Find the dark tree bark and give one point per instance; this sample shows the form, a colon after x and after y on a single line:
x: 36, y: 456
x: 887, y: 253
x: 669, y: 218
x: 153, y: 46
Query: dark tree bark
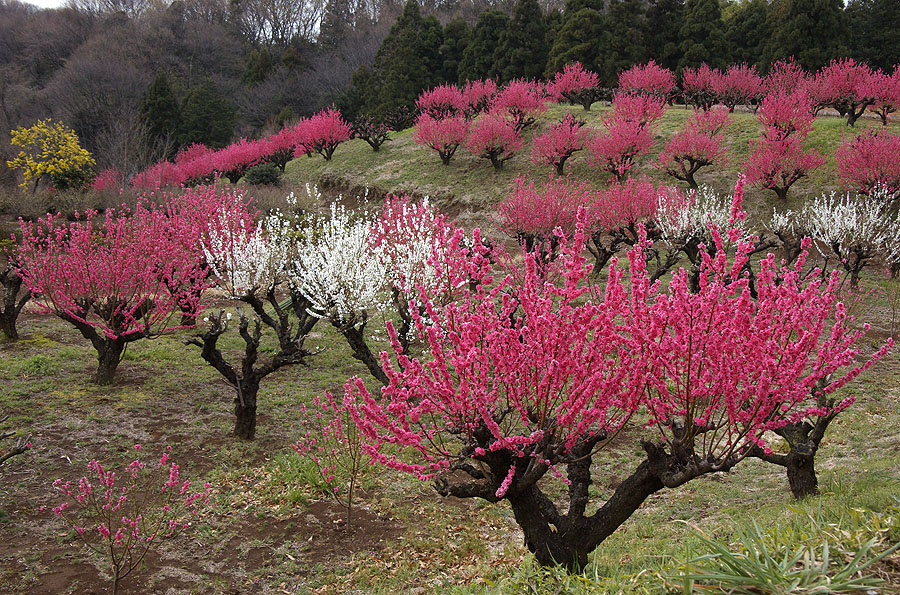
x: 246, y: 382
x: 567, y: 539
x: 354, y: 333
x: 14, y: 299
x: 109, y: 350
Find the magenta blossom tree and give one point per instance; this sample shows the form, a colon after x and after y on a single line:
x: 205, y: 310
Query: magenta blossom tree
x: 886, y: 90
x: 776, y: 164
x: 325, y: 131
x: 555, y: 145
x: 740, y: 85
x: 701, y: 86
x: 869, y: 163
x: 112, y: 276
x: 648, y: 79
x: 495, y: 138
x: 576, y: 85
x: 701, y: 144
x: 847, y: 86
x: 615, y: 149
x: 442, y: 135
x: 524, y: 379
x: 441, y: 102
x: 521, y: 101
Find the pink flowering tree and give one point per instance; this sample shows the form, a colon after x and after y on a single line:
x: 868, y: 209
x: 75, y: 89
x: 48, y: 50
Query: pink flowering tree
x: 442, y: 135
x: 375, y: 131
x: 441, y: 102
x: 495, y: 138
x: 701, y: 144
x: 887, y: 94
x: 576, y: 85
x: 847, y: 86
x: 647, y: 79
x: 523, y: 379
x: 615, y: 149
x: 521, y: 101
x: 868, y: 163
x: 740, y: 85
x: 111, y: 276
x: 325, y: 131
x: 616, y: 213
x: 478, y: 96
x: 234, y: 160
x: 532, y: 213
x: 786, y: 114
x: 786, y: 76
x: 776, y: 164
x: 555, y: 145
x: 701, y: 86
x: 121, y: 515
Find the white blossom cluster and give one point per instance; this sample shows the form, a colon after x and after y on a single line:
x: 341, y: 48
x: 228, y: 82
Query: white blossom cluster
x: 851, y: 221
x: 246, y: 260
x: 339, y: 270
x: 415, y: 245
x: 682, y: 219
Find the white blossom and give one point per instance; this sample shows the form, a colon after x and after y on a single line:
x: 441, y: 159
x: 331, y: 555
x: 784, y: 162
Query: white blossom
x: 682, y: 218
x: 854, y: 222
x: 339, y: 270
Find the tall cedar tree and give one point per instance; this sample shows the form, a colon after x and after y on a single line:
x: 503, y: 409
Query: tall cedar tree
x: 456, y: 38
x: 703, y: 35
x: 662, y: 39
x: 159, y: 110
x: 577, y: 39
x: 337, y: 23
x: 747, y: 31
x: 407, y: 62
x: 874, y: 32
x: 207, y: 117
x: 809, y: 30
x: 522, y: 52
x: 622, y: 43
x: 259, y: 66
x: 478, y: 57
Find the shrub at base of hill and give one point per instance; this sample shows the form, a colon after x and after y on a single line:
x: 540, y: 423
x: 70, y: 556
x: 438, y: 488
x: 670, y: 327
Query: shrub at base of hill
x: 266, y: 174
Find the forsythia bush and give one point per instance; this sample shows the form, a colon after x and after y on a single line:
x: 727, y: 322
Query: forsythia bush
x: 48, y: 149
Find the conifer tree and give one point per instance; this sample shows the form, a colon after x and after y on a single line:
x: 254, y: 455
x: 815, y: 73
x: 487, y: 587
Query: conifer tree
x: 703, y: 35
x: 809, y: 30
x: 747, y: 31
x: 159, y: 109
x: 456, y: 39
x: 522, y: 52
x: 578, y: 37
x: 207, y: 117
x: 622, y: 43
x: 478, y: 57
x: 662, y: 34
x: 259, y: 65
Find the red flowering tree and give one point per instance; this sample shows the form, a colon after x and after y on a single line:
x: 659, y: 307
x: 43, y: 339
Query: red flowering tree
x: 478, y: 96
x: 847, y: 86
x: 886, y: 89
x: 521, y: 101
x: 701, y: 86
x: 112, y: 276
x: 522, y: 379
x: 869, y: 162
x: 786, y: 114
x: 647, y: 79
x: 558, y: 142
x: 495, y: 138
x: 441, y: 102
x: 700, y: 144
x: 777, y: 163
x: 642, y: 109
x: 740, y: 85
x: 442, y: 135
x: 325, y: 131
x: 786, y: 76
x: 532, y: 213
x: 615, y: 149
x: 576, y: 85
x: 234, y: 160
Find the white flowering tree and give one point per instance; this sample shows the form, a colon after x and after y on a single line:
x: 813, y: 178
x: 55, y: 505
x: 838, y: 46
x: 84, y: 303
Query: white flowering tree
x: 250, y: 262
x: 344, y: 275
x: 858, y: 230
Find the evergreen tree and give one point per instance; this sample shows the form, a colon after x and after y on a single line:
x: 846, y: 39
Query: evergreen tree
x: 259, y: 65
x: 874, y: 32
x: 522, y: 52
x: 747, y: 31
x: 206, y: 116
x: 456, y: 39
x: 578, y: 36
x: 407, y: 62
x: 159, y: 110
x: 809, y: 30
x: 478, y: 57
x: 337, y: 23
x: 622, y: 42
x: 662, y: 33
x: 703, y: 35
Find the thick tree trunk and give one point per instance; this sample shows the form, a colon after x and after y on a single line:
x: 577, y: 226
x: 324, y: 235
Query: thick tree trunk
x: 357, y: 341
x: 245, y: 412
x: 8, y: 326
x: 108, y: 357
x: 801, y: 472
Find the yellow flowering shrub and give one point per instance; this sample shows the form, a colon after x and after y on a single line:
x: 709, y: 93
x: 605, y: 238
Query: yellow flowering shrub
x: 48, y: 149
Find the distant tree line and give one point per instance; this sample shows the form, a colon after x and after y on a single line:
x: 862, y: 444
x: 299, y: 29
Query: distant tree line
x: 137, y: 80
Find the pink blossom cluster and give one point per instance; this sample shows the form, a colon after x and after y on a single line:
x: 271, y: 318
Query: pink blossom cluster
x: 121, y: 515
x: 702, y: 143
x: 869, y: 163
x: 558, y: 142
x: 647, y: 79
